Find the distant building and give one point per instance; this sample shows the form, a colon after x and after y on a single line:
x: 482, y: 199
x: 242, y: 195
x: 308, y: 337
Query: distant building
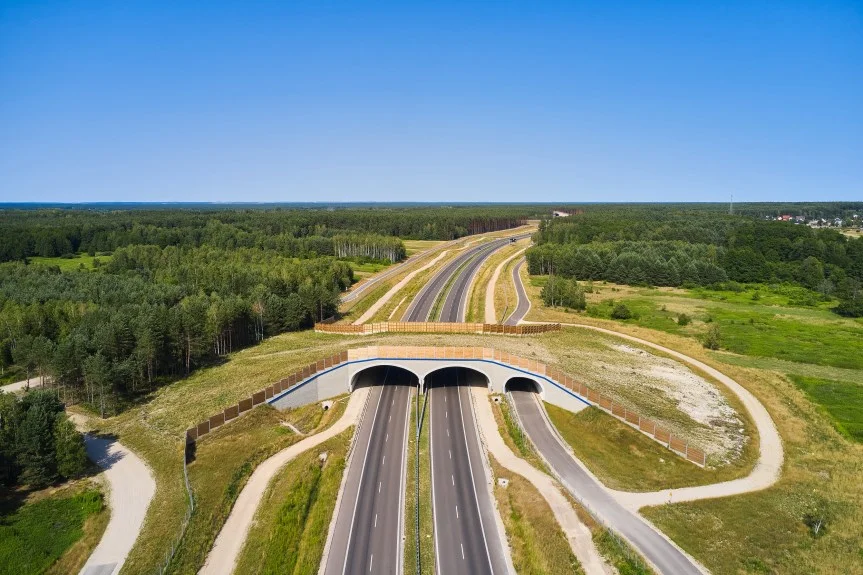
x: 785, y: 218
x: 559, y: 214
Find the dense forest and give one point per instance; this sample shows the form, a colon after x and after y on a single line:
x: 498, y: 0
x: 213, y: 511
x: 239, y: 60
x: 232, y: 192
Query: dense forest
x: 677, y: 247
x: 302, y: 233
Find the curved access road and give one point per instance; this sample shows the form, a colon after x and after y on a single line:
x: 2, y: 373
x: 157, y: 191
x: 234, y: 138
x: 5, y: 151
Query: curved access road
x: 523, y: 301
x: 367, y: 536
x: 656, y: 548
x: 770, y: 451
x: 131, y: 489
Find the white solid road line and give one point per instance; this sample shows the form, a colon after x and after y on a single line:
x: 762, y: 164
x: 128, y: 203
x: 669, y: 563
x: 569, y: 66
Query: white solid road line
x: 362, y: 472
x: 473, y: 479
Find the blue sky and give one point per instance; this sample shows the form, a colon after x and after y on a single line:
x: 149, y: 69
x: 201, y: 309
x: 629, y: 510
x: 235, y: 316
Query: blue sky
x: 438, y: 101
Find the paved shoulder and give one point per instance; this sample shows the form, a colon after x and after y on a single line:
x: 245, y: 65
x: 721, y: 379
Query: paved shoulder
x: 132, y: 488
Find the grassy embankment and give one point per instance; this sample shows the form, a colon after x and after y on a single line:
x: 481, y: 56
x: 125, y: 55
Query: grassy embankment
x: 626, y: 459
x: 290, y: 529
x: 775, y: 530
x: 537, y: 543
x: 476, y: 297
x: 53, y: 532
x: 426, y: 520
x: 224, y: 461
x: 416, y: 246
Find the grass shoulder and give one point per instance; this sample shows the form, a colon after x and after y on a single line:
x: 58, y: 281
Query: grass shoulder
x: 626, y: 459
x: 537, y: 543
x: 289, y: 533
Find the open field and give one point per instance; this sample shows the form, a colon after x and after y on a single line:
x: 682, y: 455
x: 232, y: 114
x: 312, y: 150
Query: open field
x: 842, y: 401
x: 290, y: 527
x: 537, y: 543
x: 770, y: 531
x: 770, y: 326
x: 71, y: 264
x: 54, y: 531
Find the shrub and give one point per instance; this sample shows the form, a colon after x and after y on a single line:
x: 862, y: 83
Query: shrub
x: 713, y: 339
x: 620, y: 311
x: 683, y: 319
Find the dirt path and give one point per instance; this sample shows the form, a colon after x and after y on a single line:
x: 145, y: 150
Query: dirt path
x: 131, y: 489
x: 19, y: 385
x: 770, y: 457
x: 395, y: 289
x: 223, y: 556
x: 490, y: 312
x: 578, y: 535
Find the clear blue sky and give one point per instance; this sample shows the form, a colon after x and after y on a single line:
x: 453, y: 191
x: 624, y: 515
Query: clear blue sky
x: 486, y: 101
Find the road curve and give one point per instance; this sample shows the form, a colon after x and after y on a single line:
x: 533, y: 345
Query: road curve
x: 423, y: 303
x: 523, y: 301
x: 655, y: 547
x: 455, y: 304
x: 131, y: 489
x: 369, y: 526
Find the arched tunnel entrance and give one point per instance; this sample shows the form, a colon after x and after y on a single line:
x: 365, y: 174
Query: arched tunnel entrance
x: 455, y: 376
x: 521, y: 384
x: 383, y: 375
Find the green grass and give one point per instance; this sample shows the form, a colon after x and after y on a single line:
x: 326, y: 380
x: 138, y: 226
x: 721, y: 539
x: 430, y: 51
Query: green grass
x: 37, y: 534
x: 426, y: 520
x: 289, y: 532
x: 620, y: 554
x: 512, y: 434
x: 366, y: 268
x: 626, y: 459
x: 536, y: 541
x: 71, y: 264
x: 842, y: 402
x: 415, y: 246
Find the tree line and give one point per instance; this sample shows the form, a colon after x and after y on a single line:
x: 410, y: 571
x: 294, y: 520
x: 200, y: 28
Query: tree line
x: 295, y: 233
x: 678, y: 248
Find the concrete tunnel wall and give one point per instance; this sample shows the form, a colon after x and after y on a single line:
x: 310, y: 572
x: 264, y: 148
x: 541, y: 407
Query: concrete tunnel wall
x: 341, y: 378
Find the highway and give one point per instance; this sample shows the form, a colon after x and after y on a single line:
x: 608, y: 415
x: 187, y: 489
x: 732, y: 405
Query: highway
x: 467, y: 540
x: 659, y: 551
x: 523, y: 302
x: 368, y: 534
x: 456, y: 301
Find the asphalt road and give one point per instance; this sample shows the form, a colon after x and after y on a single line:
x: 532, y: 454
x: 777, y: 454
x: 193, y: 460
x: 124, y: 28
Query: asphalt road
x: 665, y: 556
x: 467, y: 540
x: 423, y: 303
x: 455, y: 304
x: 523, y: 302
x: 370, y: 524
